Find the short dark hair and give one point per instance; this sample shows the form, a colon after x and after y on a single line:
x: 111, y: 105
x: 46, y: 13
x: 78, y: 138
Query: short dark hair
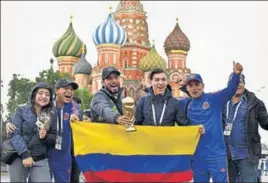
x: 156, y: 71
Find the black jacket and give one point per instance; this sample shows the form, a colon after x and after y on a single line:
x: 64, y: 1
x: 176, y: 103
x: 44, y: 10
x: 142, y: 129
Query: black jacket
x: 173, y: 112
x: 256, y: 115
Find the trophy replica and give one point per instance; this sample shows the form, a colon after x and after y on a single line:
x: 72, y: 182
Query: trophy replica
x: 129, y: 111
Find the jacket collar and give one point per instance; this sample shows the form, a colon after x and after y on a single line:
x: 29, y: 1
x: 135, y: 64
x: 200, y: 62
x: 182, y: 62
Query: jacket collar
x: 166, y: 96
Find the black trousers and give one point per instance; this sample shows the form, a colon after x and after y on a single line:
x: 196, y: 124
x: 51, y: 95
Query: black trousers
x: 75, y: 173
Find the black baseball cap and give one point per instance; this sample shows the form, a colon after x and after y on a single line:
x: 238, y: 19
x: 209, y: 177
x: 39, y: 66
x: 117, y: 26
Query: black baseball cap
x: 61, y: 83
x: 109, y: 70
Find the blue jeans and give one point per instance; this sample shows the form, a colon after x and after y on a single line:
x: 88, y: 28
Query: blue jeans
x: 246, y: 170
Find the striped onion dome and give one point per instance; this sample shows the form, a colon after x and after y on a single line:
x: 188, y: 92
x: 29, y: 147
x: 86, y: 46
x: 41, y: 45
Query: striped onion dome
x: 68, y: 45
x: 152, y: 60
x: 82, y: 66
x: 110, y: 32
x: 177, y: 40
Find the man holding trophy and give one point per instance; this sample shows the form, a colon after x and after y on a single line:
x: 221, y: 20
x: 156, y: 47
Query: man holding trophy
x: 106, y: 105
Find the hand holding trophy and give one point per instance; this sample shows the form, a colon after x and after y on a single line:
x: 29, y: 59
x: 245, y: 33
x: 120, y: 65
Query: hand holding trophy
x: 129, y: 111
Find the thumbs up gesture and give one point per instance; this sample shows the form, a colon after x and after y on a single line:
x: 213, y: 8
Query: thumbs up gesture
x: 238, y: 68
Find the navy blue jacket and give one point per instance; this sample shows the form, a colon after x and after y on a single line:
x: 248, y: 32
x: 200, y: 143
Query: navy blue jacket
x: 173, y: 112
x: 63, y: 155
x: 256, y: 115
x: 25, y: 138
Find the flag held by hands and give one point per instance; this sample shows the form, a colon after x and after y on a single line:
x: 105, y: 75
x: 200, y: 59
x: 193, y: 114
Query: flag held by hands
x: 107, y: 153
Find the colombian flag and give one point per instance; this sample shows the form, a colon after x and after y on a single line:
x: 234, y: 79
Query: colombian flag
x: 107, y: 153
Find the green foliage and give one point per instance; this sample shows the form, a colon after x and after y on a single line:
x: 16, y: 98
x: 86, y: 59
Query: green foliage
x: 18, y: 92
x: 85, y: 97
x: 20, y: 87
x: 50, y: 77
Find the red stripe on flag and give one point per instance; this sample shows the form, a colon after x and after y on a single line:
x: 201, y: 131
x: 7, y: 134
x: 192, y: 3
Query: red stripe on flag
x: 121, y: 176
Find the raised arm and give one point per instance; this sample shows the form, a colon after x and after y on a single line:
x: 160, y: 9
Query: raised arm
x: 226, y: 94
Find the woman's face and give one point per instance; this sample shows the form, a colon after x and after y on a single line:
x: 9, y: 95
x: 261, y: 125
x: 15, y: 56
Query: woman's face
x: 42, y: 97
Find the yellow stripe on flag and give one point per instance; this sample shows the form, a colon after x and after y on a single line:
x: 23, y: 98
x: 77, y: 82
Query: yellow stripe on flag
x: 147, y: 140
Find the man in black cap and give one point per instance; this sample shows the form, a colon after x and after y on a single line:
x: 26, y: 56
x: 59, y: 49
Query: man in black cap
x: 106, y: 105
x: 242, y: 116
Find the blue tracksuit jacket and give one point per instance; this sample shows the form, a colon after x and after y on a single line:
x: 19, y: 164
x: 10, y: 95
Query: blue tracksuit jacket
x: 207, y: 111
x: 60, y: 160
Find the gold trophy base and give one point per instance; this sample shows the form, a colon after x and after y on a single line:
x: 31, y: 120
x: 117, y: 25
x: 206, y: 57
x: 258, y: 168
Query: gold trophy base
x: 131, y: 128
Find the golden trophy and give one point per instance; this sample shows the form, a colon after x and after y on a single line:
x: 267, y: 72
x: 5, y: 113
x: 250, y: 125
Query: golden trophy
x: 129, y: 111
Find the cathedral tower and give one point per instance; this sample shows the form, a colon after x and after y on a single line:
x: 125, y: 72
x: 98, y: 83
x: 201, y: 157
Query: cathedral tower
x: 131, y: 16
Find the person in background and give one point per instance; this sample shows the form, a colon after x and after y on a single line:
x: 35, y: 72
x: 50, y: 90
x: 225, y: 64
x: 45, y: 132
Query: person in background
x: 266, y: 167
x: 78, y: 104
x: 242, y: 116
x: 34, y: 133
x: 262, y: 168
x: 75, y: 170
x: 87, y: 115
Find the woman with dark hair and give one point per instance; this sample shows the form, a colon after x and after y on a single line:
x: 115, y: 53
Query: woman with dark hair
x: 35, y: 133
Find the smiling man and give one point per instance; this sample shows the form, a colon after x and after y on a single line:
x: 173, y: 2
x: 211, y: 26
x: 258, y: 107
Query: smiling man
x: 106, y: 105
x: 159, y: 108
x: 206, y: 108
x: 60, y: 159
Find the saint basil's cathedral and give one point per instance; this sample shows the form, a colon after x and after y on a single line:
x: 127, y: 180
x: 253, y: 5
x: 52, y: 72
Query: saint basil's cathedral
x: 122, y: 41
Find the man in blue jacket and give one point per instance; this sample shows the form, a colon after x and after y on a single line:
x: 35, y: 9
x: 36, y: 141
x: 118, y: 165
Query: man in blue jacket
x: 206, y: 108
x: 60, y: 159
x: 158, y: 107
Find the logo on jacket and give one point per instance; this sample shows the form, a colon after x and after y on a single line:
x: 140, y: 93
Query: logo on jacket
x: 222, y: 170
x: 66, y: 116
x: 205, y: 105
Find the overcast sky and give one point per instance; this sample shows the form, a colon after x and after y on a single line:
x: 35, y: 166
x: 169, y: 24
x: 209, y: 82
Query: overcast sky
x: 219, y: 32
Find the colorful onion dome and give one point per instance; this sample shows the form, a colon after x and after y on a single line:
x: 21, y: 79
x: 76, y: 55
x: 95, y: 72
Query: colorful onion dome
x: 69, y: 44
x: 152, y: 60
x: 110, y: 32
x: 177, y: 40
x: 82, y: 66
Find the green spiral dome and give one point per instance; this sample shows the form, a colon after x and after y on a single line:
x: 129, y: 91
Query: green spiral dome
x: 68, y: 45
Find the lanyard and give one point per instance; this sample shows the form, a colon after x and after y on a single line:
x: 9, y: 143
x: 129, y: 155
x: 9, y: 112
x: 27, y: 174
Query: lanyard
x: 59, y: 124
x: 236, y: 110
x: 162, y: 114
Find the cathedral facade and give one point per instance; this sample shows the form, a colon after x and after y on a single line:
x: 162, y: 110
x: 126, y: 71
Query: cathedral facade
x: 122, y: 41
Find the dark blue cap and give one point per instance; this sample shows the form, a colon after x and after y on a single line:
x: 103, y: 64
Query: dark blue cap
x: 191, y: 77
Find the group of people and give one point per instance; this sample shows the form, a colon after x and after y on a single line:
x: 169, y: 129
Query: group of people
x: 41, y: 134
x: 229, y: 145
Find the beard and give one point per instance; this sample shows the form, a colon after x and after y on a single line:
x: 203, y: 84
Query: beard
x: 112, y: 90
